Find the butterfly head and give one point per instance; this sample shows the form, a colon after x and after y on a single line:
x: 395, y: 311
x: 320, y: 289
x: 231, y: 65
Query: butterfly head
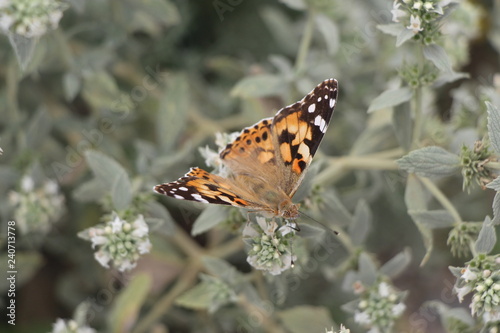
x: 288, y: 210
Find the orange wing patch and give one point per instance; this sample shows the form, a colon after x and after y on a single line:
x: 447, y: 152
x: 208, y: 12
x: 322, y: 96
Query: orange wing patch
x: 253, y: 142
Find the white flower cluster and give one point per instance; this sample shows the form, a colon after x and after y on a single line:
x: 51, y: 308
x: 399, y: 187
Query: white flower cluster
x: 418, y: 11
x: 212, y: 158
x: 485, y: 286
x: 342, y: 330
x: 379, y: 307
x: 70, y: 326
x: 36, y: 208
x: 119, y: 241
x: 271, y: 246
x: 30, y: 18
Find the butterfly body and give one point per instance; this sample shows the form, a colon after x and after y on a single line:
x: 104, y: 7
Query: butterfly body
x: 267, y: 161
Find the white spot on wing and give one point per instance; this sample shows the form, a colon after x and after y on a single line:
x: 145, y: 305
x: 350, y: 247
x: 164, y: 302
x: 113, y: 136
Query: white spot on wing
x: 319, y: 99
x: 311, y: 108
x: 179, y: 197
x: 182, y: 188
x: 198, y: 197
x: 321, y: 123
x: 332, y: 102
x: 326, y: 96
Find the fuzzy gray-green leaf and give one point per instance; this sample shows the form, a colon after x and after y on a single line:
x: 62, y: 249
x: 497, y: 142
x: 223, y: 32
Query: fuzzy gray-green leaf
x: 438, y: 56
x: 495, y: 184
x: 121, y: 192
x: 209, y: 218
x: 494, y: 126
x: 396, y: 264
x: 390, y: 98
x: 430, y: 161
x: 393, y: 29
x: 330, y: 33
x: 367, y: 269
x: 432, y: 219
x: 403, y: 36
x: 496, y: 209
x: 306, y: 318
x: 172, y: 112
x: 362, y: 221
x: 487, y: 237
x: 104, y: 168
x: 258, y: 86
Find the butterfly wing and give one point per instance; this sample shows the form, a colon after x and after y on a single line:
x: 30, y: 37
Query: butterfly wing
x: 278, y: 150
x: 298, y: 130
x: 202, y: 186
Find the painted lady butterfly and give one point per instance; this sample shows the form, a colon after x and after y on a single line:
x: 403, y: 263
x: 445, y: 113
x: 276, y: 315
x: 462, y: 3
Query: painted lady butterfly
x: 267, y: 161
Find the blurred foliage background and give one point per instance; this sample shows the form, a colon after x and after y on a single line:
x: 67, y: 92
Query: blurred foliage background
x: 102, y: 99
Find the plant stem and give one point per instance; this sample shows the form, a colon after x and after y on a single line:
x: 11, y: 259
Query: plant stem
x: 443, y: 200
x: 184, y: 282
x: 305, y: 43
x: 339, y: 165
x: 417, y: 104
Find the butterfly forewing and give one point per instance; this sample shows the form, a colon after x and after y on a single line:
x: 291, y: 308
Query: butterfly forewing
x: 298, y: 130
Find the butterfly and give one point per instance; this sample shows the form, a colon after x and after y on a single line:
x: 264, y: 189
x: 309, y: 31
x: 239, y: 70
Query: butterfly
x: 267, y: 161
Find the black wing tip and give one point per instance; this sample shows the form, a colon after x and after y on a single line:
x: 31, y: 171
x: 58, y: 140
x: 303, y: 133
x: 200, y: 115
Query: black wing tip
x: 159, y: 189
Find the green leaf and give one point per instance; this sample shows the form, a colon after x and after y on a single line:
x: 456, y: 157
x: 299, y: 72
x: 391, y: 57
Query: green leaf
x: 305, y: 318
x: 432, y: 219
x: 495, y: 184
x: 121, y: 192
x: 367, y: 269
x: 172, y: 112
x: 362, y: 221
x: 38, y: 128
x: 390, y: 98
x: 129, y: 302
x: 209, y: 218
x: 330, y: 33
x: 403, y: 125
x: 438, y: 56
x: 494, y: 126
x: 24, y: 48
x: 487, y: 237
x: 197, y: 298
x: 430, y: 161
x: 258, y: 86
x: 397, y: 264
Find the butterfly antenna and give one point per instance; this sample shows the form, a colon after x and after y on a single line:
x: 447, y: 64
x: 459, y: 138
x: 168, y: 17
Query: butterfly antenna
x: 318, y: 222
